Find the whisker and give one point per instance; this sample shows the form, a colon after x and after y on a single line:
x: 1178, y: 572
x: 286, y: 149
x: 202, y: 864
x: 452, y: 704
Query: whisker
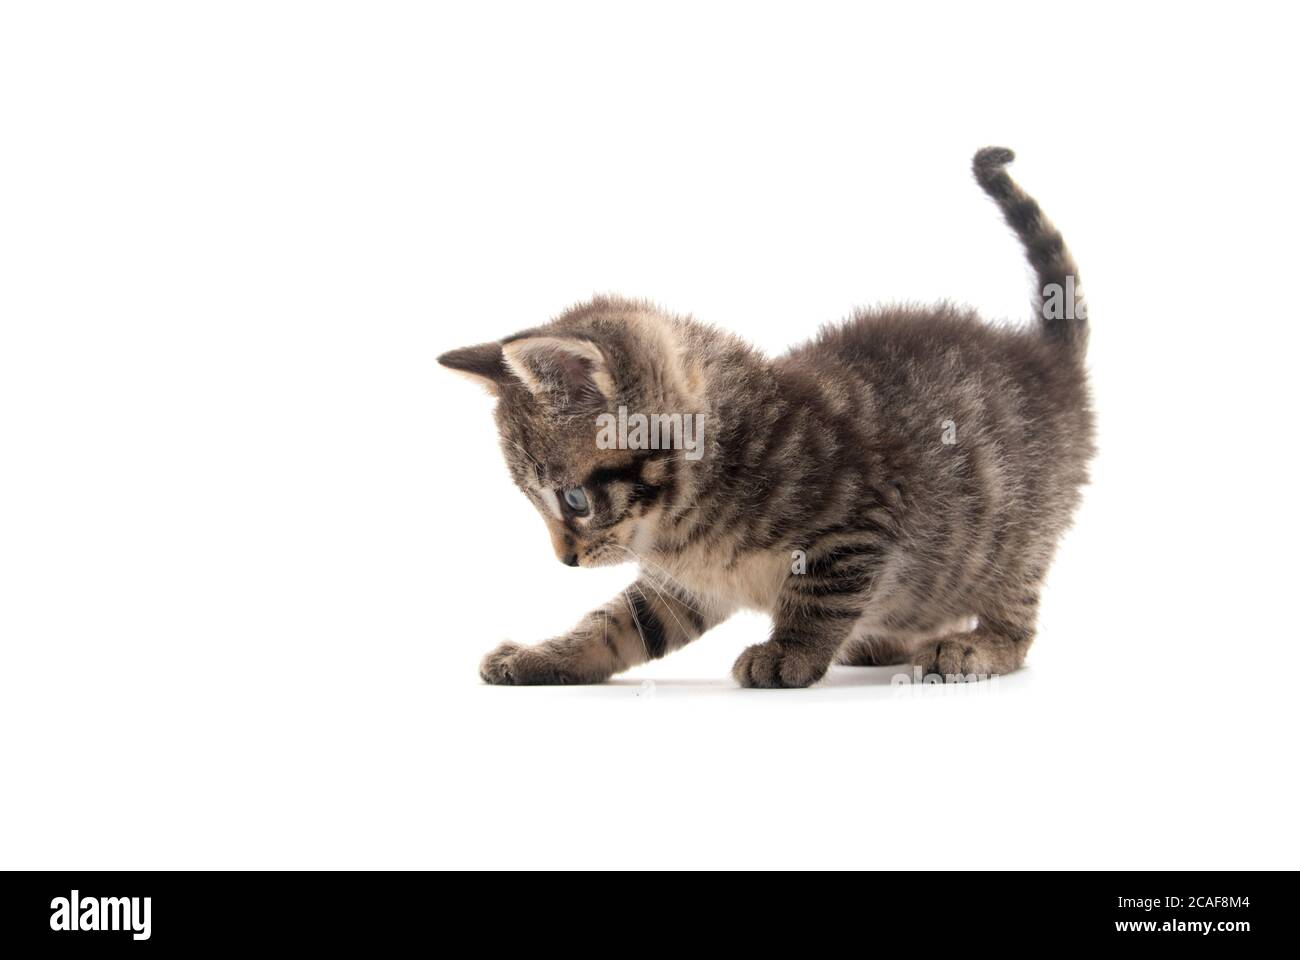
x: 637, y: 623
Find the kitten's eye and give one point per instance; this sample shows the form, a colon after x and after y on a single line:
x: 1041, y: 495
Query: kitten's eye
x: 576, y: 500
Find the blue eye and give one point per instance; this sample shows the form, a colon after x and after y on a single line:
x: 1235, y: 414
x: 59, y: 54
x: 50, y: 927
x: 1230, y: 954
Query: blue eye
x: 576, y: 500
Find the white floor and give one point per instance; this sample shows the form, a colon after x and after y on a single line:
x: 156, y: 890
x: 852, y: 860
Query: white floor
x: 356, y: 734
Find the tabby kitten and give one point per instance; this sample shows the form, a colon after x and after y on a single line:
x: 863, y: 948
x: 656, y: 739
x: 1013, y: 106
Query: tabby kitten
x: 891, y: 492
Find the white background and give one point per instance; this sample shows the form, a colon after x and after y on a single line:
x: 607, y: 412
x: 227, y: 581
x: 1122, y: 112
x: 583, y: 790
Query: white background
x: 253, y: 541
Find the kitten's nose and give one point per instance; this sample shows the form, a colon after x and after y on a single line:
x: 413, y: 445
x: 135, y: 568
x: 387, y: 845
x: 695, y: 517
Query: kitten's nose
x: 571, y: 560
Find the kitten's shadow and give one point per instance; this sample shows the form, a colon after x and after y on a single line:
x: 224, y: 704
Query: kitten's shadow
x: 840, y: 683
x: 837, y: 677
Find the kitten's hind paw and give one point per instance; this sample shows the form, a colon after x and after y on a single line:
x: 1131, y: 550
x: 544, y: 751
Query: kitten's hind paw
x: 773, y: 665
x: 970, y: 656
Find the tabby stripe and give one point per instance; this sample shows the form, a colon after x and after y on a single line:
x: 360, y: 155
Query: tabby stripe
x: 629, y: 473
x: 829, y: 563
x: 652, y: 628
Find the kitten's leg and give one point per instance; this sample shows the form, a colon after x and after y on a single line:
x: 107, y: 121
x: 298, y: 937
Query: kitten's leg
x: 815, y: 613
x: 644, y: 622
x: 803, y: 644
x: 806, y: 633
x: 996, y: 646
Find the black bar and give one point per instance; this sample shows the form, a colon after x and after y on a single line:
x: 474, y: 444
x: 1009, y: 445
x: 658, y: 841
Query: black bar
x: 368, y: 910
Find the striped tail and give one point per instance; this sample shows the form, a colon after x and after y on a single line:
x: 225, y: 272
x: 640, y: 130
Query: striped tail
x: 1059, y: 300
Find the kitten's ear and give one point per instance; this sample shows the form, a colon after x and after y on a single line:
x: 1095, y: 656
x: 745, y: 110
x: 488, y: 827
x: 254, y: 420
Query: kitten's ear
x: 483, y: 363
x: 572, y: 373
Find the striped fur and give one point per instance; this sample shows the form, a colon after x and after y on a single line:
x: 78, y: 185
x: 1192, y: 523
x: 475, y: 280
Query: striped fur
x: 890, y: 492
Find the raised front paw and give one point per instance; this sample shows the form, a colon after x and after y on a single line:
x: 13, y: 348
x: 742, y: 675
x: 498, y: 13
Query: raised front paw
x: 773, y: 665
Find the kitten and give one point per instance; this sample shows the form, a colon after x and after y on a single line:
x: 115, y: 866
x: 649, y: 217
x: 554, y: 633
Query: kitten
x: 891, y: 492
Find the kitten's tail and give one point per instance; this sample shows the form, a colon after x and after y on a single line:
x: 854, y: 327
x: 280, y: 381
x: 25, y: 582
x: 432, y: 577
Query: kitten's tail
x: 1059, y: 301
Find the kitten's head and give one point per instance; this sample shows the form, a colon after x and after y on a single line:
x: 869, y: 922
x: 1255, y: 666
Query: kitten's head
x: 559, y: 389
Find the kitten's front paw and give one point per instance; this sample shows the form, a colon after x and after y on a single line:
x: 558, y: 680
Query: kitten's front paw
x: 772, y: 665
x: 514, y: 665
x: 495, y: 667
